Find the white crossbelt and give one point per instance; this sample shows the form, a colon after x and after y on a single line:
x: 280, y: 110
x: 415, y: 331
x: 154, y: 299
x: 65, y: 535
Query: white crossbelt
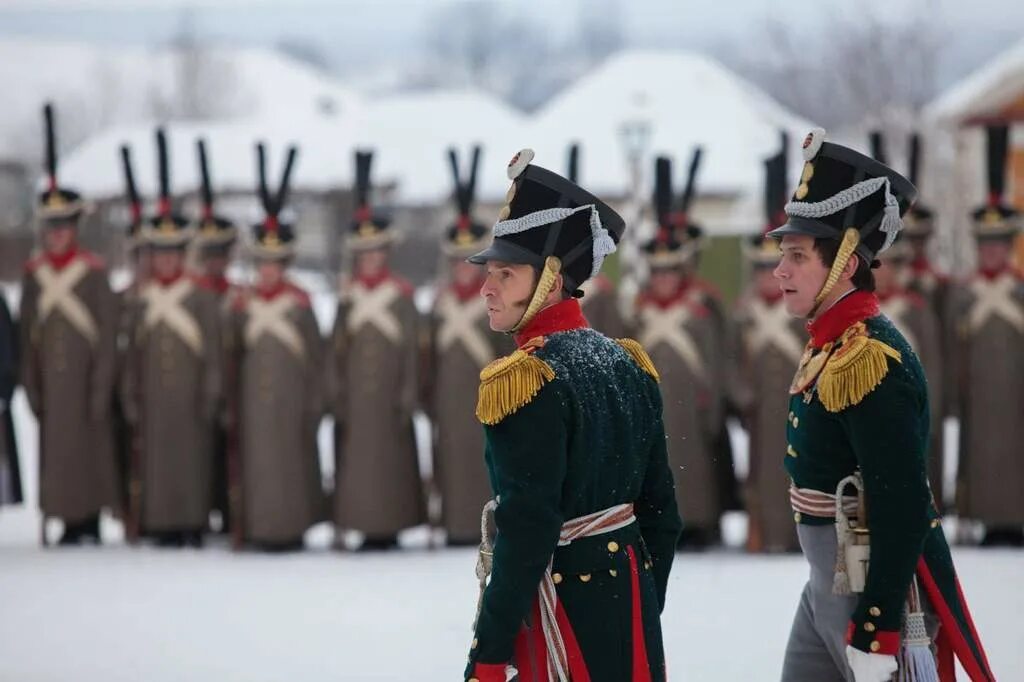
x: 995, y: 299
x: 372, y: 306
x: 772, y: 326
x: 164, y: 304
x: 459, y: 325
x: 668, y: 327
x: 57, y: 294
x: 271, y: 318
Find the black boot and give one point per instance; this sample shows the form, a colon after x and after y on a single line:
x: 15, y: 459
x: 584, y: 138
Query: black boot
x: 1003, y: 536
x: 193, y: 538
x: 90, y: 529
x: 170, y: 538
x: 282, y: 547
x: 463, y: 542
x: 693, y: 539
x: 379, y: 543
x: 72, y: 534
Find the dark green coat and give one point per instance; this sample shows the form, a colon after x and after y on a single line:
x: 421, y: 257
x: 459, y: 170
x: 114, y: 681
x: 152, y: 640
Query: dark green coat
x: 886, y: 435
x: 590, y: 439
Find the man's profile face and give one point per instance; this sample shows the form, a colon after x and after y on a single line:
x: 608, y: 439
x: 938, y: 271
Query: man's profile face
x: 800, y: 273
x: 507, y: 290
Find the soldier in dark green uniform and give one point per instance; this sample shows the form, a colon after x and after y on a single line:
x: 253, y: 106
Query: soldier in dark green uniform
x: 859, y: 414
x: 585, y: 509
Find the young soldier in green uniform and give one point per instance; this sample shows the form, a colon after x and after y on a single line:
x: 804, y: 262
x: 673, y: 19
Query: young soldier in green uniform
x: 575, y: 446
x: 859, y: 413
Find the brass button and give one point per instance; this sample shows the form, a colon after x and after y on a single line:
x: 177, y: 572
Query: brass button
x: 556, y: 578
x: 875, y: 611
x: 936, y: 523
x: 475, y: 642
x: 797, y: 516
x: 791, y: 415
x: 585, y: 578
x: 790, y: 451
x: 875, y: 646
x: 796, y: 422
x: 869, y: 626
x: 612, y: 572
x: 613, y: 546
x: 647, y: 565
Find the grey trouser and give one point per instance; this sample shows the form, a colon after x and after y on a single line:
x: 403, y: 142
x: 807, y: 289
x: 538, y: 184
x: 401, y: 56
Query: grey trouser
x: 816, y: 651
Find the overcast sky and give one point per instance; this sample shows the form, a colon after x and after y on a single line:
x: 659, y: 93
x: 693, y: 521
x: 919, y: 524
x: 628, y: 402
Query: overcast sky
x: 361, y: 32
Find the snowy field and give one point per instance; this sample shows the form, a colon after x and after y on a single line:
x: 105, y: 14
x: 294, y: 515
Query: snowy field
x: 119, y: 614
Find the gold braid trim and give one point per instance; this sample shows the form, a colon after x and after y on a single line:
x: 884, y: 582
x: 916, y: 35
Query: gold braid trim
x: 846, y: 248
x: 552, y: 266
x: 640, y: 356
x: 509, y: 383
x: 855, y: 369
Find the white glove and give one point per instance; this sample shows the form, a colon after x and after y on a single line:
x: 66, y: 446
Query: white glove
x: 870, y: 667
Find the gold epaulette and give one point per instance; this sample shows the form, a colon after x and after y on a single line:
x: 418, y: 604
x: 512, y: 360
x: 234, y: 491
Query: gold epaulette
x: 640, y: 356
x: 856, y: 368
x: 511, y: 382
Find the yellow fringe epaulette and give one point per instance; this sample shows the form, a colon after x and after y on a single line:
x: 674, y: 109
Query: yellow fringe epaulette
x: 640, y: 356
x: 509, y: 383
x: 857, y: 367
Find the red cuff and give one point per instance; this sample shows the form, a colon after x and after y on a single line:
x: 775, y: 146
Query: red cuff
x: 879, y: 642
x: 488, y: 672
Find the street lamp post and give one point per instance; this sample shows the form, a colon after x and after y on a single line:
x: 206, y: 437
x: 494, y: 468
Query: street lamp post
x: 635, y: 134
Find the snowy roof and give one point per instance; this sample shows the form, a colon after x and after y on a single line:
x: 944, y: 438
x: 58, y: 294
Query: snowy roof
x: 98, y: 87
x: 324, y: 161
x: 687, y: 100
x: 983, y: 93
x: 411, y: 134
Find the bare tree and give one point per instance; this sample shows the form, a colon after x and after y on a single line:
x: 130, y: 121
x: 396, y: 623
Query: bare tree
x: 849, y: 71
x: 600, y: 29
x: 204, y: 86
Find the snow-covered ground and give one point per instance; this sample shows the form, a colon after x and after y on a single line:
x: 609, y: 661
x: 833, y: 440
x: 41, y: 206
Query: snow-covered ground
x: 115, y: 613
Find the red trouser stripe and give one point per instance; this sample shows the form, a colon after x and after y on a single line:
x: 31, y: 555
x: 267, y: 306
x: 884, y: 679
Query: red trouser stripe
x: 641, y: 668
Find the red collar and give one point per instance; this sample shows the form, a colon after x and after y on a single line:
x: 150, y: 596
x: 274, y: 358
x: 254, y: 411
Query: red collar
x: 676, y: 297
x: 992, y: 275
x: 268, y: 294
x: 219, y: 284
x: 59, y: 262
x: 375, y: 281
x: 168, y: 281
x: 561, y: 317
x: 849, y: 310
x: 466, y: 292
x: 922, y: 264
